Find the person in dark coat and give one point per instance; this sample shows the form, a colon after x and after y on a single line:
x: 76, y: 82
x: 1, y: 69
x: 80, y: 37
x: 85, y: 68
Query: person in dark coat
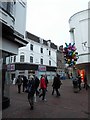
x: 25, y: 80
x: 85, y: 82
x: 37, y: 85
x: 56, y: 85
x: 19, y: 83
x: 79, y: 81
x: 31, y: 91
x: 46, y: 80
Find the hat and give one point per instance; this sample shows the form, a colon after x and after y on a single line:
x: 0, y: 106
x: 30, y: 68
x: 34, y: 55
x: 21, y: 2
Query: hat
x: 31, y: 77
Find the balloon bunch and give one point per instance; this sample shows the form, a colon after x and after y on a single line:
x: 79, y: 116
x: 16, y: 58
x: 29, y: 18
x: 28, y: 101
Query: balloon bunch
x: 70, y: 54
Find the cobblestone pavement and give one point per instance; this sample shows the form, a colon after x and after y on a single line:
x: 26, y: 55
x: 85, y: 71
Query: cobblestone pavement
x: 68, y: 105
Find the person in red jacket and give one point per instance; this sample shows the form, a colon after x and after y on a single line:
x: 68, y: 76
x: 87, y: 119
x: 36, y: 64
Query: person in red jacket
x: 43, y: 87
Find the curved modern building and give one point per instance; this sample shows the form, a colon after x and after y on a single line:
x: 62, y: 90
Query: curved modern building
x: 79, y: 32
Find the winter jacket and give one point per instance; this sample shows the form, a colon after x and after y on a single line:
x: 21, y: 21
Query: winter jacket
x: 42, y: 83
x: 31, y: 85
x: 56, y: 82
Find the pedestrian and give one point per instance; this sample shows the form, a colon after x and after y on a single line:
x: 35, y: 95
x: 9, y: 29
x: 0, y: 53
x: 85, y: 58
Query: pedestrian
x: 43, y: 87
x: 46, y: 80
x: 31, y: 91
x: 19, y: 83
x: 37, y: 85
x: 36, y: 88
x: 25, y: 80
x: 56, y: 84
x: 85, y: 82
x: 79, y: 81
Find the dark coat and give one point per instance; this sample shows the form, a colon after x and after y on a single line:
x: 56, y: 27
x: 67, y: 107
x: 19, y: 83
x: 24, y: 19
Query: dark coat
x: 19, y: 81
x: 25, y: 80
x: 36, y: 82
x: 79, y: 79
x: 56, y: 82
x: 31, y: 85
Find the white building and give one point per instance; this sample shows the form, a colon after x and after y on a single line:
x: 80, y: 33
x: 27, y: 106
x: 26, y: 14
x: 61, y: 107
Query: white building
x: 12, y: 32
x: 79, y: 31
x: 39, y: 56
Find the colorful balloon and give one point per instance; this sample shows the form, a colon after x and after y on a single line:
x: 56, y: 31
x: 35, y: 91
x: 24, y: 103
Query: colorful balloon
x: 70, y: 54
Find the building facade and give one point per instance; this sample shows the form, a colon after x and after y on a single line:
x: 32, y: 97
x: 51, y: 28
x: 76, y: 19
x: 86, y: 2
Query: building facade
x: 11, y: 38
x: 38, y: 57
x: 79, y: 32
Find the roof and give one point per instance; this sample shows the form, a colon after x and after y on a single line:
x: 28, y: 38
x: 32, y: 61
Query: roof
x: 37, y: 39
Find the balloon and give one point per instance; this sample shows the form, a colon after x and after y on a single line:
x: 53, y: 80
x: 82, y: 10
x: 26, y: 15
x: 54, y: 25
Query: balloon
x: 70, y: 54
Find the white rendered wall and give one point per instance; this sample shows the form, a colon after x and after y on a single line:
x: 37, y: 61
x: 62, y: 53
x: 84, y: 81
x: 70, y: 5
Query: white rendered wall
x: 79, y: 22
x: 37, y: 55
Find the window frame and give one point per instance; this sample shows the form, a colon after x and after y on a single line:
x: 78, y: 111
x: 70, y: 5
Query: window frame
x: 31, y: 60
x: 41, y: 61
x: 50, y: 62
x: 31, y: 47
x: 41, y: 50
x: 22, y: 60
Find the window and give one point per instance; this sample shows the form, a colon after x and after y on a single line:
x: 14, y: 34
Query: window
x: 49, y: 62
x: 21, y: 58
x: 49, y: 52
x: 14, y: 58
x: 41, y: 50
x: 11, y: 59
x: 31, y: 47
x: 72, y: 34
x: 7, y: 6
x: 31, y: 59
x: 41, y: 61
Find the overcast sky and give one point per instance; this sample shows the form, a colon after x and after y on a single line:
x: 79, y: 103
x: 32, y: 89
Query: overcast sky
x: 48, y: 19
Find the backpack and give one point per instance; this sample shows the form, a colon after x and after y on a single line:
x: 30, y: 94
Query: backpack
x: 28, y: 89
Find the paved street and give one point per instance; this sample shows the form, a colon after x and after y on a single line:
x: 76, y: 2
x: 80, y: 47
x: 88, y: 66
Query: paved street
x: 68, y: 105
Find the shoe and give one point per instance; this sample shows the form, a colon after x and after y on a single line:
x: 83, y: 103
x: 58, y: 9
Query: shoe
x: 44, y: 100
x: 31, y: 108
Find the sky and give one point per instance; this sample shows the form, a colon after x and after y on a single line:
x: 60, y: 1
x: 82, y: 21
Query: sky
x: 48, y: 19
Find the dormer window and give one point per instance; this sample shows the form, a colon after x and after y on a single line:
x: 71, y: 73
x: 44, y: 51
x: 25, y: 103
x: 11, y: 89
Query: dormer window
x: 49, y: 43
x: 31, y: 47
x: 41, y: 40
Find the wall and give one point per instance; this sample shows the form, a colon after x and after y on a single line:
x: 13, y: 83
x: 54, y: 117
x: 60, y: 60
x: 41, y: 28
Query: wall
x: 37, y: 55
x: 79, y: 22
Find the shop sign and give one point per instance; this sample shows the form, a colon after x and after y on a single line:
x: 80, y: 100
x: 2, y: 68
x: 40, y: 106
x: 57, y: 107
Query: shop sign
x: 42, y: 68
x: 11, y: 67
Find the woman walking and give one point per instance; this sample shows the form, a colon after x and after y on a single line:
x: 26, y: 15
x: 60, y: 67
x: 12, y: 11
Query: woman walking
x: 43, y: 87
